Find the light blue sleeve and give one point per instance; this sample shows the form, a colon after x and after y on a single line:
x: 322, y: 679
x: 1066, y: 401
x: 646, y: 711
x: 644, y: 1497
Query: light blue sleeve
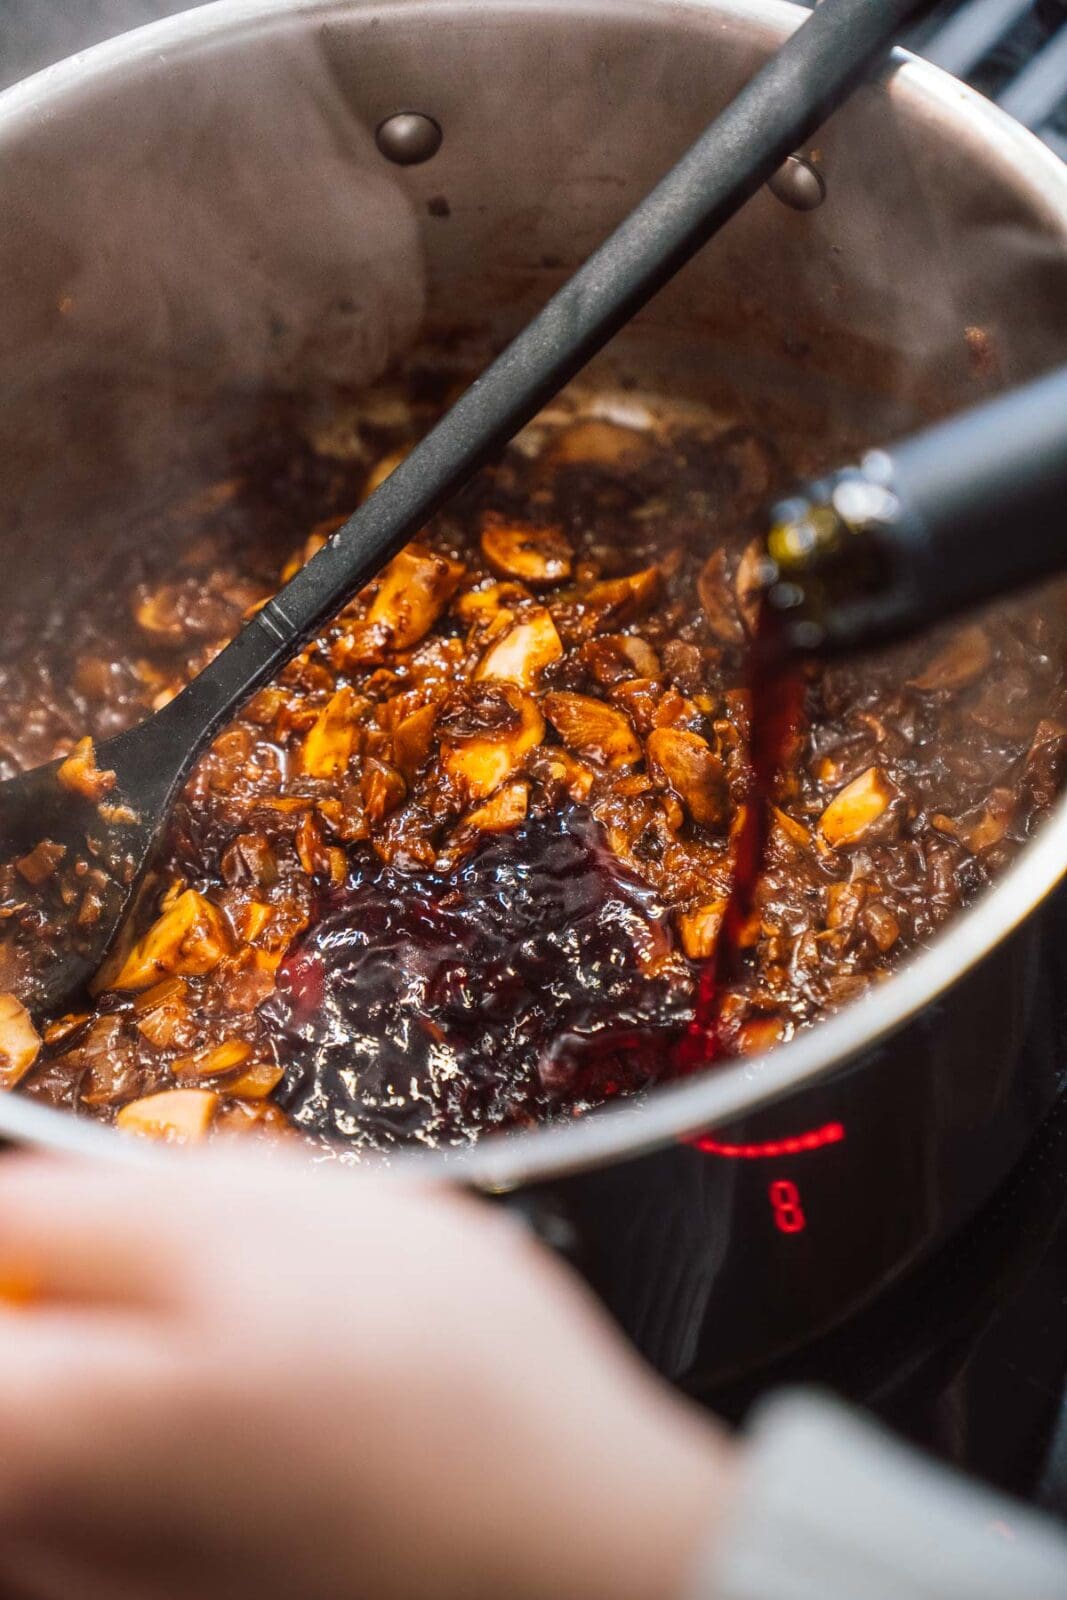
x: 830, y: 1507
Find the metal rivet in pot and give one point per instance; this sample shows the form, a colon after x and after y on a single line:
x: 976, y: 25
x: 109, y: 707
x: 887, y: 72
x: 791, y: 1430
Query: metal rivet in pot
x: 409, y: 138
x: 798, y: 184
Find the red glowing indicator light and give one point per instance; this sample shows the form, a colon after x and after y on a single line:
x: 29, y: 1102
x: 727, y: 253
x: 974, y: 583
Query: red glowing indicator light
x: 799, y: 1144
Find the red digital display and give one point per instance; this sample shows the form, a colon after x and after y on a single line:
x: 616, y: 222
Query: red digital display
x: 785, y: 1204
x: 814, y: 1139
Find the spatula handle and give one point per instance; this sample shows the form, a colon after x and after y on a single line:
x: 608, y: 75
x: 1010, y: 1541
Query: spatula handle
x: 776, y: 111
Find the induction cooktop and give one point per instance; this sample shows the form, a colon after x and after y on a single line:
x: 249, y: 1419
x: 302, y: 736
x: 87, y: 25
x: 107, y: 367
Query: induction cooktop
x: 967, y: 1356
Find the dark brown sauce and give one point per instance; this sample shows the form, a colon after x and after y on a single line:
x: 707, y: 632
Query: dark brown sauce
x: 360, y: 928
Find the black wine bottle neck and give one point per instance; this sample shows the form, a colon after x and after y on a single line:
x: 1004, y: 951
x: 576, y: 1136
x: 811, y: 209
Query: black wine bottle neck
x: 973, y: 508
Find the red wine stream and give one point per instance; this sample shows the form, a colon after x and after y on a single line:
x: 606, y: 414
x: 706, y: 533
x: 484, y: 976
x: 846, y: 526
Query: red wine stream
x: 776, y: 691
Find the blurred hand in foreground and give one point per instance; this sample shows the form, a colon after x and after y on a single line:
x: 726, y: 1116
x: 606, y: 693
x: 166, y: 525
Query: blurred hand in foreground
x: 257, y: 1378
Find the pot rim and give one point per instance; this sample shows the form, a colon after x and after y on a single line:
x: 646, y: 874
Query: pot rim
x: 674, y: 1111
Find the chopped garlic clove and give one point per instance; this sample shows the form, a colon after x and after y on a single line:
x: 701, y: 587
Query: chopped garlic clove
x: 854, y: 811
x: 537, y: 556
x: 529, y: 646
x: 699, y: 929
x: 175, y: 1116
x: 486, y: 732
x: 332, y: 737
x: 189, y: 939
x: 20, y: 1043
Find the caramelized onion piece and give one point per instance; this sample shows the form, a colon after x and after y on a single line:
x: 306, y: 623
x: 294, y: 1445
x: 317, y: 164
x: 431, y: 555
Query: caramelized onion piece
x: 250, y: 859
x: 496, y: 599
x: 560, y: 772
x: 881, y: 924
x: 986, y: 825
x: 757, y: 1034
x: 251, y: 1117
x: 213, y: 1060
x: 614, y: 657
x: 593, y: 729
x: 413, y: 739
x: 748, y: 584
x: 310, y: 845
x: 718, y: 600
x: 105, y: 1061
x: 502, y: 811
x: 41, y: 862
x: 80, y: 773
x: 789, y: 828
x: 176, y: 1116
x: 1043, y: 768
x: 55, y: 1032
x: 161, y: 1013
x: 158, y: 615
x: 615, y: 602
x: 256, y: 1082
x: 844, y: 902
x: 382, y: 788
x: 19, y: 1041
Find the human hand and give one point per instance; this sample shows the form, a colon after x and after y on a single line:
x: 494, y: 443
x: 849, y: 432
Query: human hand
x: 250, y: 1378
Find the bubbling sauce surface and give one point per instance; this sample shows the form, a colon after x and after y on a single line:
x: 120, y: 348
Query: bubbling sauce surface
x: 468, y: 862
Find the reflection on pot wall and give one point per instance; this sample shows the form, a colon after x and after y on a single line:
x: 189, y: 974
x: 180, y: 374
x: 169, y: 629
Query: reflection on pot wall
x: 33, y: 35
x: 229, y: 227
x: 195, y: 262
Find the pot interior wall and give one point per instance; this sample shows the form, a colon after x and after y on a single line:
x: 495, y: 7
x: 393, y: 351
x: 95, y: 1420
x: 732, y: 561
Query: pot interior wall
x: 198, y: 228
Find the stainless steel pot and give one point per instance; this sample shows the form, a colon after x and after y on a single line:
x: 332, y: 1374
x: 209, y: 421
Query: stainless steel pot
x: 198, y: 217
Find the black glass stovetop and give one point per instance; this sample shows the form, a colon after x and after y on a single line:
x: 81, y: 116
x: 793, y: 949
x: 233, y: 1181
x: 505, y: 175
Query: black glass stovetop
x: 967, y: 1356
